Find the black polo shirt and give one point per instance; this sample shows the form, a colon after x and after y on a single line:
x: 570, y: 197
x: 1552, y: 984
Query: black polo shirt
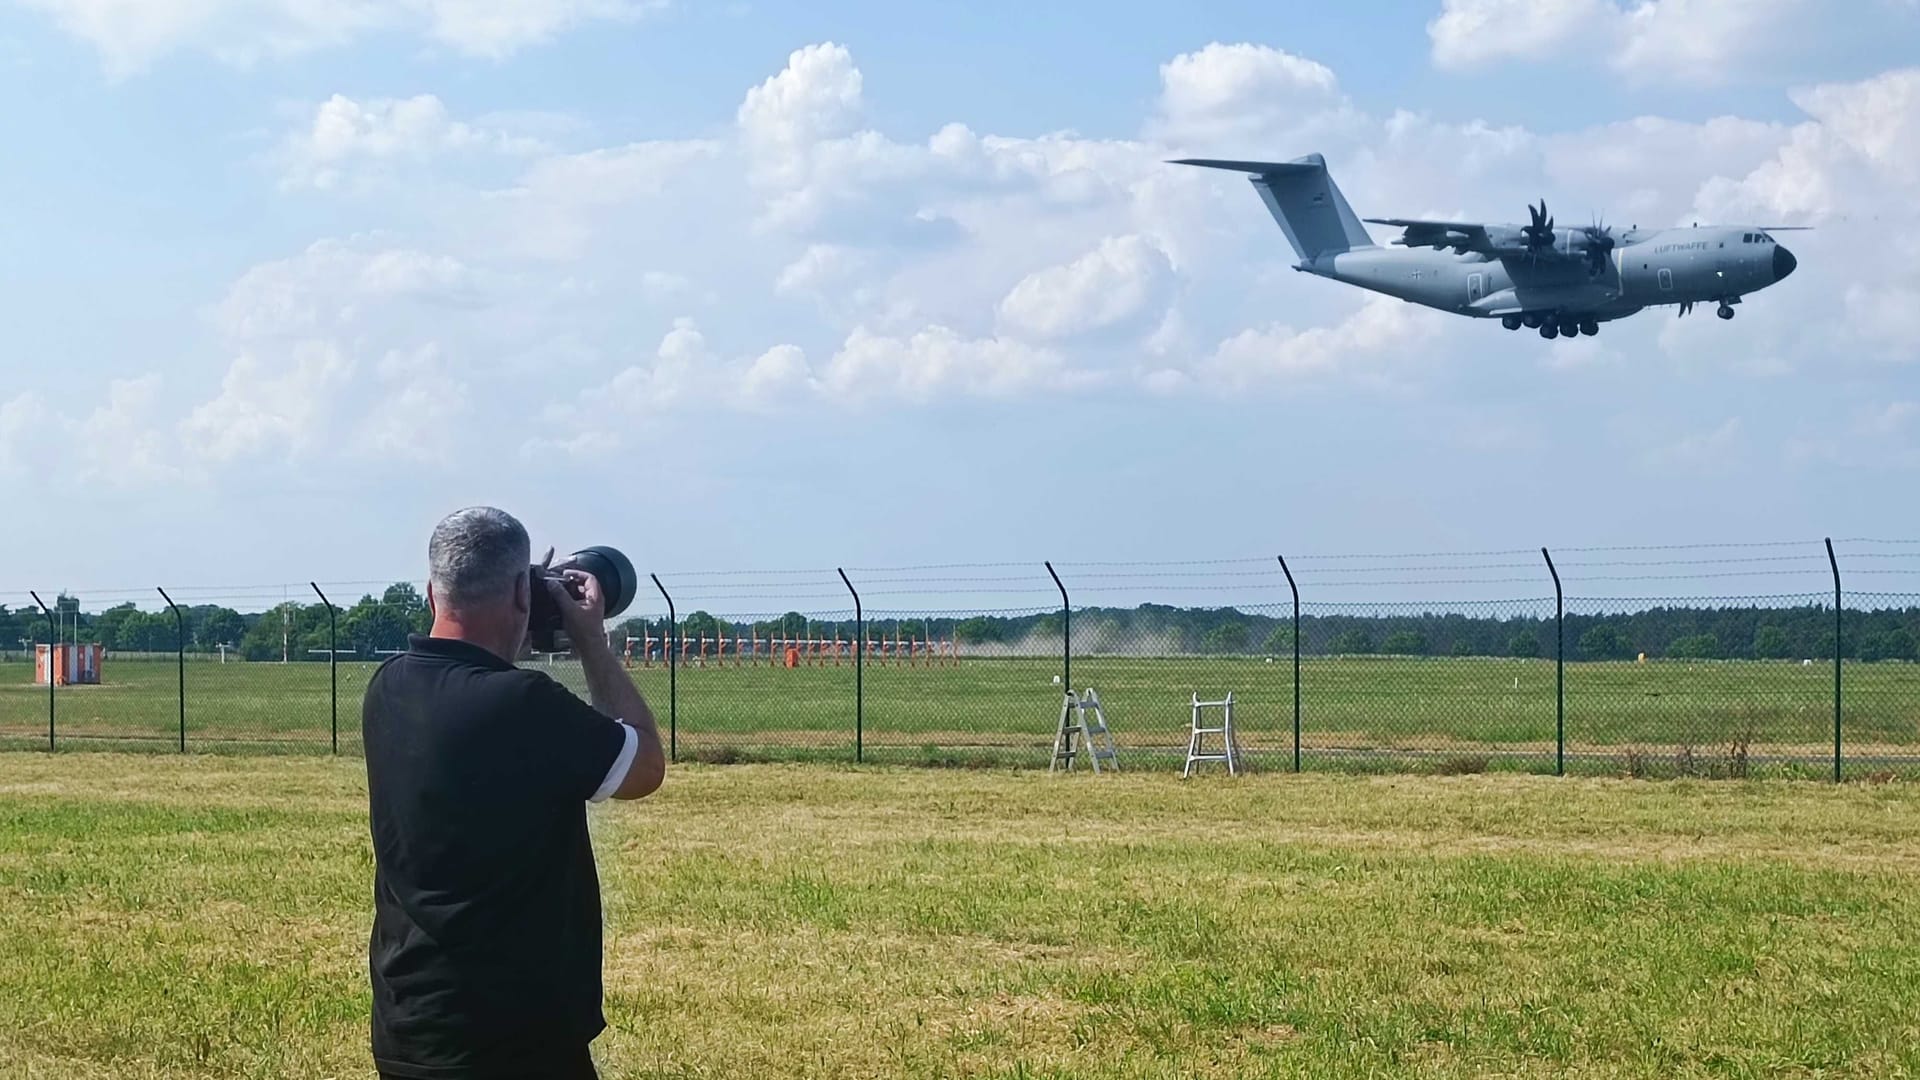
x: 485, y: 952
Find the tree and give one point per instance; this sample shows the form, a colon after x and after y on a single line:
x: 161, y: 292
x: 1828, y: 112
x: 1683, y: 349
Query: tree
x: 1603, y: 642
x: 404, y: 598
x: 1462, y: 647
x: 1351, y: 643
x: 702, y: 625
x: 1772, y: 643
x: 1280, y: 641
x: 1405, y: 643
x: 1894, y: 644
x: 107, y: 626
x: 1694, y: 647
x: 1524, y: 645
x: 220, y: 626
x: 371, y: 627
x: 978, y: 630
x: 1228, y: 637
x: 275, y: 626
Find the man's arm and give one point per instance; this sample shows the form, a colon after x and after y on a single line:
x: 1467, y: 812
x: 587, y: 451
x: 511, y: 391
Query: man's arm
x: 608, y: 685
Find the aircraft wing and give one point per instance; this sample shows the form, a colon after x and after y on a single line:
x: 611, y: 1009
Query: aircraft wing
x: 1461, y: 236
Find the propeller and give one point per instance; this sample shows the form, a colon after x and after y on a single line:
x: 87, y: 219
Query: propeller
x: 1599, y: 247
x: 1540, y: 233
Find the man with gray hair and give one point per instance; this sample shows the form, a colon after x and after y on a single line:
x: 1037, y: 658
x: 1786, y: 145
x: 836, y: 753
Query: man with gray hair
x: 485, y: 951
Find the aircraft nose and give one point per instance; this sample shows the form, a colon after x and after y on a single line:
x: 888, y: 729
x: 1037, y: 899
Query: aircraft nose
x: 1783, y: 262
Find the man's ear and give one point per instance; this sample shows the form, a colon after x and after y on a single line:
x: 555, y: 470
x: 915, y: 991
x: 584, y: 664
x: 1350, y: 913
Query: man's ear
x: 432, y: 608
x: 523, y: 592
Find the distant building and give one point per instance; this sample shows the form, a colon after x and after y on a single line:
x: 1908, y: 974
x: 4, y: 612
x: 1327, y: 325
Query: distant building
x: 67, y: 665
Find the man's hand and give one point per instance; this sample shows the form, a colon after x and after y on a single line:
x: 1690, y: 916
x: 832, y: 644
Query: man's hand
x: 584, y: 617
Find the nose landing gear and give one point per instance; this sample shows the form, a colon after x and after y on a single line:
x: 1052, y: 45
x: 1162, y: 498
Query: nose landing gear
x: 1725, y: 312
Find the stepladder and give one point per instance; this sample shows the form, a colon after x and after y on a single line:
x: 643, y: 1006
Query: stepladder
x: 1083, y: 730
x: 1203, y: 725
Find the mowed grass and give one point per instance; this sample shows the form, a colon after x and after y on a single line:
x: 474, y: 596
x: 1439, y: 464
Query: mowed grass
x: 1353, y: 709
x: 206, y: 916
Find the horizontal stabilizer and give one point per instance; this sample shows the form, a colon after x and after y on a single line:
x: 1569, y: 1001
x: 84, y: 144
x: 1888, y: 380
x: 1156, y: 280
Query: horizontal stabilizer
x: 1259, y: 168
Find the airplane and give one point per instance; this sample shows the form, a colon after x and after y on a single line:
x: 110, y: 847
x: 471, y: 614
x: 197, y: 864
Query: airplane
x: 1561, y: 282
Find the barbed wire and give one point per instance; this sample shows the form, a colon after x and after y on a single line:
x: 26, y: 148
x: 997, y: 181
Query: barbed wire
x: 1726, y: 546
x: 1107, y: 577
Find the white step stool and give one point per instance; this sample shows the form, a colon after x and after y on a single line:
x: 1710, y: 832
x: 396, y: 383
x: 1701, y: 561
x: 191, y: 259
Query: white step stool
x: 1230, y: 749
x: 1079, y: 730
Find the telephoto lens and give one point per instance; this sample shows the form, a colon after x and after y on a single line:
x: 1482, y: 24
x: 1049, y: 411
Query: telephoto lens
x: 618, y: 584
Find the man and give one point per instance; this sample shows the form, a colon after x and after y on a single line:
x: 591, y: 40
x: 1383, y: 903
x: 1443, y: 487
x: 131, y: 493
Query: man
x: 485, y: 951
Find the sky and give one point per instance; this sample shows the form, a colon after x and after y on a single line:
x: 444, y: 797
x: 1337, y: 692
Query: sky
x: 749, y: 286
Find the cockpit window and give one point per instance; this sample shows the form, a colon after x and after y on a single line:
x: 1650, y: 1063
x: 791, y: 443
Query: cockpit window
x: 1762, y: 238
x: 1746, y: 238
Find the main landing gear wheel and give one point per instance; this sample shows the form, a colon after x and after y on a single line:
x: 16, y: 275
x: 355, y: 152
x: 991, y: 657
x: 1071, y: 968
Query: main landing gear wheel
x: 1725, y: 312
x: 1532, y: 322
x: 1511, y: 322
x: 1569, y: 329
x: 1590, y: 327
x: 1550, y: 331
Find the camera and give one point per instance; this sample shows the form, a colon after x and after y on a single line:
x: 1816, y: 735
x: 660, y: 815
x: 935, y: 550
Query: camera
x: 614, y: 572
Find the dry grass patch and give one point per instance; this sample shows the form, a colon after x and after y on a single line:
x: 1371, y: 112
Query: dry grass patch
x: 207, y: 917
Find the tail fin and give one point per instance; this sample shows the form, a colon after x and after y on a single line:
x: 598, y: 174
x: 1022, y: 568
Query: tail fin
x: 1304, y: 200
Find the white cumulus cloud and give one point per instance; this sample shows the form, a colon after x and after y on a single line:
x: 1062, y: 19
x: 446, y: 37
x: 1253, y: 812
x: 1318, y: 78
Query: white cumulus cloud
x: 816, y: 96
x: 348, y: 136
x: 938, y: 360
x: 277, y: 406
x: 1244, y: 92
x: 1654, y: 40
x: 1117, y: 281
x: 131, y: 34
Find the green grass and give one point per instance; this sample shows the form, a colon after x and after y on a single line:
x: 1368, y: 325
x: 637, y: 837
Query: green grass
x: 206, y: 916
x: 1359, y: 713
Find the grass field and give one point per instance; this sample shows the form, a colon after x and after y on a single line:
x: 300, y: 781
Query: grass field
x: 1356, y: 712
x: 206, y: 916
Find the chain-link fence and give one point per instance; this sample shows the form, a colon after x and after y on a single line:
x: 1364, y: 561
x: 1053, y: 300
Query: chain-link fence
x: 795, y: 665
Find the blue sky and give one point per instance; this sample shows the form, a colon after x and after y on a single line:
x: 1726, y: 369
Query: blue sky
x: 744, y: 285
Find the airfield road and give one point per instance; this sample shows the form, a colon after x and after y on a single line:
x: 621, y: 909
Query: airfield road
x: 1368, y: 713
x: 206, y: 916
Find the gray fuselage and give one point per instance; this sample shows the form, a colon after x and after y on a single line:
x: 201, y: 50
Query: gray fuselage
x: 1647, y: 268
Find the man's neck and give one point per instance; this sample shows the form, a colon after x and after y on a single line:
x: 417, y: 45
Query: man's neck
x: 449, y: 625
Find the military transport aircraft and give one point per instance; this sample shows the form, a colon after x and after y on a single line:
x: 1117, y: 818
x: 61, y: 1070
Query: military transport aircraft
x: 1563, y: 282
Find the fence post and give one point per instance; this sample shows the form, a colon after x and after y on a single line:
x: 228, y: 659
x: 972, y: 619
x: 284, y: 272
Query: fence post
x: 673, y: 673
x: 180, y: 652
x: 1296, y: 660
x: 859, y: 670
x: 1559, y: 669
x: 333, y: 662
x: 1066, y: 632
x: 53, y: 640
x: 1837, y: 653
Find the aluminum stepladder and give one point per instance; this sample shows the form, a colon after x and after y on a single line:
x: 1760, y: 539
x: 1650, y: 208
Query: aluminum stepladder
x: 1229, y: 752
x: 1083, y: 725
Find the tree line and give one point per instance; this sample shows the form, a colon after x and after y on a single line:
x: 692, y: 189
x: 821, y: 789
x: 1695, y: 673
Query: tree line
x: 290, y: 631
x: 373, y: 626
x: 1674, y: 632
